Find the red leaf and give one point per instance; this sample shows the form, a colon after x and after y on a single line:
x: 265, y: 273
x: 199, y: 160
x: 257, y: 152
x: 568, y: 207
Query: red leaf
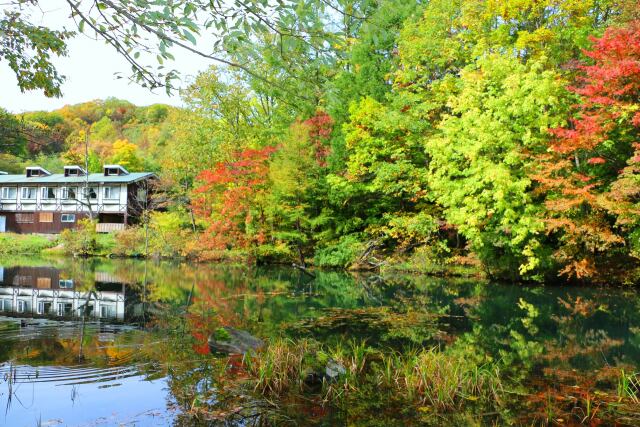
x: 596, y: 161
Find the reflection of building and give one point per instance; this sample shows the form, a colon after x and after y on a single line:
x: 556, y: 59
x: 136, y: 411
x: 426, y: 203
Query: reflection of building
x: 47, y: 292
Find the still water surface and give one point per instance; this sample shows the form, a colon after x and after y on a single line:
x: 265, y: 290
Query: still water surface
x: 120, y: 366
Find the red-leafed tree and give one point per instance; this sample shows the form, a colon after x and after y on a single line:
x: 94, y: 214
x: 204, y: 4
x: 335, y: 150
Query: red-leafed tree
x: 590, y: 176
x: 320, y: 127
x: 229, y: 200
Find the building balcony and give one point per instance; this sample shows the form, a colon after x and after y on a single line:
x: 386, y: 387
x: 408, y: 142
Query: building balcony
x: 107, y: 227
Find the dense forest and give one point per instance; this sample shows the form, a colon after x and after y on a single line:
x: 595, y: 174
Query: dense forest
x: 501, y: 135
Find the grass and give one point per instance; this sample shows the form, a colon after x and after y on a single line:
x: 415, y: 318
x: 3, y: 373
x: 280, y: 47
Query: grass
x: 436, y: 379
x: 423, y: 377
x: 280, y: 368
x: 629, y: 386
x: 15, y: 244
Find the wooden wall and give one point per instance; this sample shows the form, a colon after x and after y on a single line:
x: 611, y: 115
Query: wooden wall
x: 54, y: 227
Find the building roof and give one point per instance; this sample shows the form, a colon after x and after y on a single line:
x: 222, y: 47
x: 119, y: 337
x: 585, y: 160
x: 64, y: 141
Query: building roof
x: 59, y: 178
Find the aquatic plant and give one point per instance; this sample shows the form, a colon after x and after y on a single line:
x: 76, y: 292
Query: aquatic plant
x: 445, y: 382
x: 280, y: 368
x: 629, y: 386
x: 420, y: 377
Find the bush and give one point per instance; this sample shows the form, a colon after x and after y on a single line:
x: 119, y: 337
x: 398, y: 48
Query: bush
x: 129, y: 242
x: 169, y: 233
x: 341, y: 254
x: 168, y: 236
x: 81, y: 241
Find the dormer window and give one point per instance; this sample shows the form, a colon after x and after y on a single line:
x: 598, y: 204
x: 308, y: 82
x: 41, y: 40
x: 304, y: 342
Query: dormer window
x: 114, y: 170
x: 37, y: 171
x: 74, y: 171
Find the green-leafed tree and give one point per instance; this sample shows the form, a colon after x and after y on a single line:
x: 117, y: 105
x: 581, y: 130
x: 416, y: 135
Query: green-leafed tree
x: 297, y: 208
x: 480, y: 160
x: 383, y: 189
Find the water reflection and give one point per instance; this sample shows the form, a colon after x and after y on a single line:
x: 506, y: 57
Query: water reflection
x: 141, y: 353
x: 45, y: 291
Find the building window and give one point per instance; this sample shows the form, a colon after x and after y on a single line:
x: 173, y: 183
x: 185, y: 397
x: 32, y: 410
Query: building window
x: 68, y: 218
x: 22, y: 306
x: 8, y: 193
x: 46, y: 217
x: 48, y: 193
x: 5, y: 304
x: 142, y: 195
x: 64, y: 308
x: 112, y: 193
x: 20, y: 280
x: 24, y: 218
x: 65, y: 284
x: 43, y: 283
x: 90, y: 193
x: 113, y: 171
x: 44, y: 307
x: 68, y: 193
x: 28, y: 193
x: 107, y: 311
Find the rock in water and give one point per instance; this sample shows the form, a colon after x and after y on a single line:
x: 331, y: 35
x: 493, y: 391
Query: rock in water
x: 334, y: 370
x: 237, y: 342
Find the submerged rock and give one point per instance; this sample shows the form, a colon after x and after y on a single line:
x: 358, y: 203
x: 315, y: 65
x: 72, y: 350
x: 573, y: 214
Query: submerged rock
x: 332, y: 371
x: 234, y: 341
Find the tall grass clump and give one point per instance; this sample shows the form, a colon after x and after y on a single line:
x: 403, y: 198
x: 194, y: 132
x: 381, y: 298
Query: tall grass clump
x: 422, y: 377
x: 437, y: 379
x: 280, y: 368
x: 629, y: 386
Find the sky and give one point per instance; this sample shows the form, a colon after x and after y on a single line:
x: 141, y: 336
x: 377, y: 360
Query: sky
x: 90, y: 69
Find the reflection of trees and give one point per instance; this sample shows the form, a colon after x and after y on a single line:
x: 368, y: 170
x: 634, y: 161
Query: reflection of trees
x: 538, y: 335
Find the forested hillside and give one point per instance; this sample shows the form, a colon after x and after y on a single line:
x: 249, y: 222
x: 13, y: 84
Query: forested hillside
x: 394, y: 133
x: 116, y: 131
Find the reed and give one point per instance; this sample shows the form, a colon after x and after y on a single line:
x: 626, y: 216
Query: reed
x: 629, y: 386
x: 442, y: 381
x: 280, y: 368
x: 424, y: 377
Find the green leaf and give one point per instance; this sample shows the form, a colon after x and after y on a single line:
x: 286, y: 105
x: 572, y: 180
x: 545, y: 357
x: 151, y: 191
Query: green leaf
x: 189, y: 36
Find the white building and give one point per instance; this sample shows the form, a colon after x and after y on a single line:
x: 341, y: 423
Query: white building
x: 42, y: 202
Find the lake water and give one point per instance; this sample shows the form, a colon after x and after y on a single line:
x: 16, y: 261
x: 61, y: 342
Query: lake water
x: 140, y: 356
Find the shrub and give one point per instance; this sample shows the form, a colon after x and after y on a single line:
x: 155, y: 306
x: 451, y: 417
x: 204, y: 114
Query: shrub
x: 129, y: 242
x: 82, y: 240
x: 168, y: 236
x: 169, y: 233
x: 341, y: 254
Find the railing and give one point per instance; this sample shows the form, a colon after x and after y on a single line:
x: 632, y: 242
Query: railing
x: 106, y: 227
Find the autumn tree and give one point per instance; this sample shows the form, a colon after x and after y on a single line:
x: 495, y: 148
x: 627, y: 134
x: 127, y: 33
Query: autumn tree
x: 229, y: 200
x: 297, y: 207
x: 590, y: 175
x: 479, y: 161
x: 382, y: 190
x: 126, y: 154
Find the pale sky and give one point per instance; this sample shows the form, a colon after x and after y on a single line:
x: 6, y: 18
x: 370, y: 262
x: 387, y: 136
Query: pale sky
x: 89, y: 68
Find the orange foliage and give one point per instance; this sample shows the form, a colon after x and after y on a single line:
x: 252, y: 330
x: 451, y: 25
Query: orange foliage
x: 228, y: 200
x: 589, y: 178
